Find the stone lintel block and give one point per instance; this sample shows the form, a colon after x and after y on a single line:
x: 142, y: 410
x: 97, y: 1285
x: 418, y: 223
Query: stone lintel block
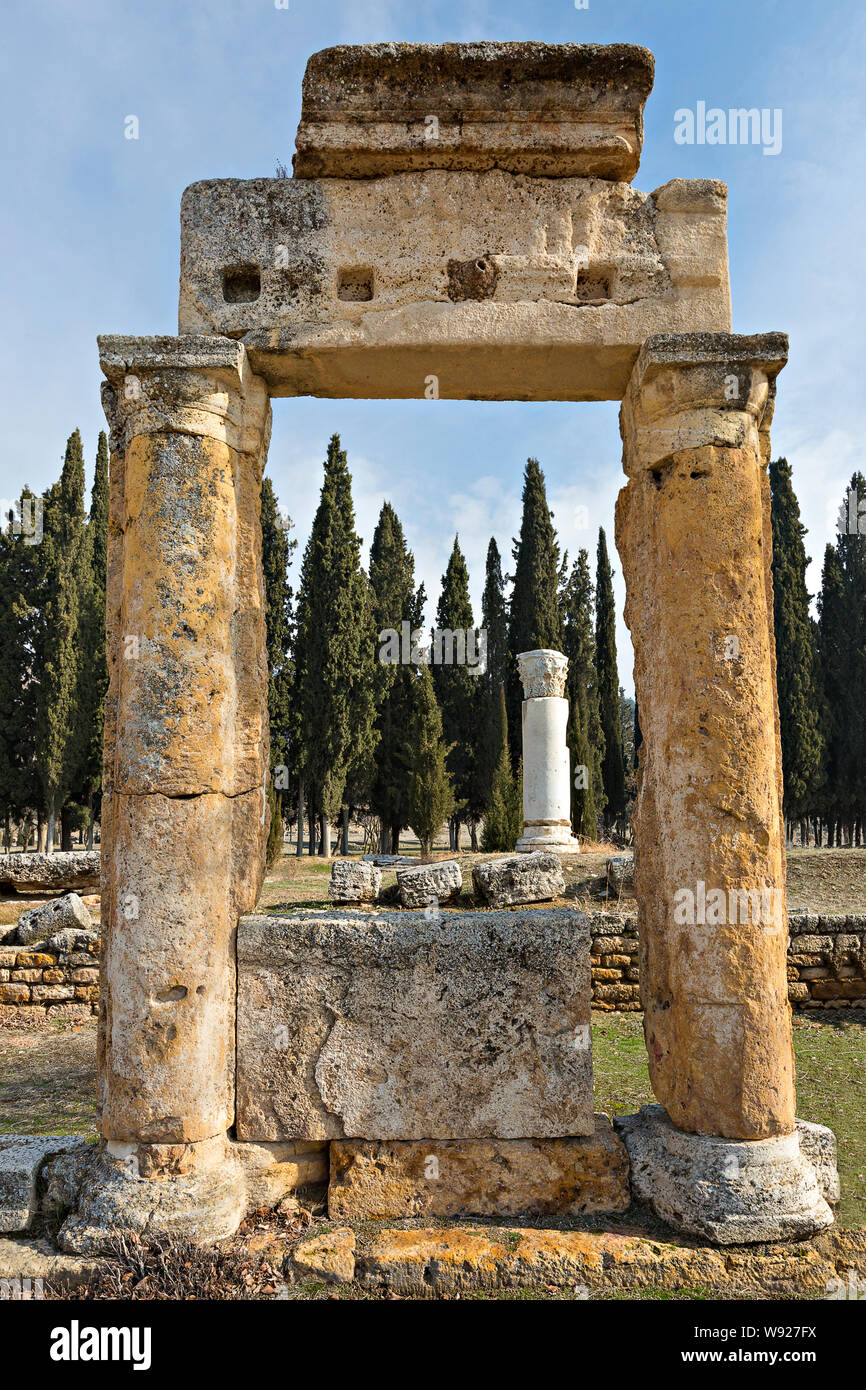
x: 692, y: 390
x: 479, y: 1177
x: 504, y: 287
x: 391, y: 1026
x: 729, y: 1191
x: 531, y: 108
x: 21, y: 1159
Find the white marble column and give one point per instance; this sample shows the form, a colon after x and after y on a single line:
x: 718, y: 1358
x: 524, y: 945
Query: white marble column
x: 546, y: 764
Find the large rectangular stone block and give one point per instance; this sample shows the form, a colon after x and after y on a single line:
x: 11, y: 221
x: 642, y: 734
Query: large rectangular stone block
x: 532, y: 108
x: 403, y: 1026
x: 479, y: 1177
x: 498, y: 285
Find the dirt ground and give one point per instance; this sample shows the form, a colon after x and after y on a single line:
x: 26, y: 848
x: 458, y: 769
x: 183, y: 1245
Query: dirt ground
x: 818, y: 880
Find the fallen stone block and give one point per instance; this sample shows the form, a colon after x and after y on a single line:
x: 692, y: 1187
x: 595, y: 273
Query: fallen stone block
x: 525, y: 878
x: 27, y: 1265
x: 620, y: 873
x: 354, y: 882
x: 389, y: 1026
x: 71, y: 941
x: 21, y: 1159
x: 426, y: 884
x: 377, y: 1180
x: 76, y: 870
x: 59, y: 914
x: 330, y: 1257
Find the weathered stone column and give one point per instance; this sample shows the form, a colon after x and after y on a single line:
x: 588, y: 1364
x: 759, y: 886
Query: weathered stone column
x: 546, y: 777
x: 693, y: 532
x: 186, y: 741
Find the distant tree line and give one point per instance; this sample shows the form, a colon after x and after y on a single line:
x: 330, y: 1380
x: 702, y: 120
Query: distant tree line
x: 53, y: 674
x: 416, y: 734
x: 412, y: 742
x: 821, y: 669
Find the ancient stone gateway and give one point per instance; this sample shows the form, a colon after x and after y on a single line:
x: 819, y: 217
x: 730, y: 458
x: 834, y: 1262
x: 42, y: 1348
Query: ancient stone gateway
x: 461, y: 223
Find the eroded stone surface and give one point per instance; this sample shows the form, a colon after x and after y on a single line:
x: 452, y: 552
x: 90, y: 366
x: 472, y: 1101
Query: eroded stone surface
x: 358, y: 290
x: 532, y: 108
x: 479, y: 1177
x: 33, y: 873
x: 390, y: 1026
x: 423, y: 884
x: 526, y: 878
x: 21, y: 1159
x: 693, y: 531
x: 61, y: 914
x: 185, y: 816
x: 726, y: 1190
x: 354, y: 881
x: 330, y: 1257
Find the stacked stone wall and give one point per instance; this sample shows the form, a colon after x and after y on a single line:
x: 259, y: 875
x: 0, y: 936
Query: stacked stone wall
x: 826, y: 961
x: 39, y: 984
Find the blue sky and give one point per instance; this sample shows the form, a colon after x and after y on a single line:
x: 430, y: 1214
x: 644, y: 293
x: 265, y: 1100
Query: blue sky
x: 90, y: 236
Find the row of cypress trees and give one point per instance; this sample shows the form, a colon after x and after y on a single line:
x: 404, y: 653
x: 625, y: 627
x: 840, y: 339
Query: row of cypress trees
x: 821, y: 668
x: 410, y: 743
x: 53, y: 674
x: 415, y: 743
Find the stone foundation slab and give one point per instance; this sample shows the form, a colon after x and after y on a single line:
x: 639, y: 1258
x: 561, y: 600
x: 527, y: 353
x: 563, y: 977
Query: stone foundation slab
x: 479, y: 1177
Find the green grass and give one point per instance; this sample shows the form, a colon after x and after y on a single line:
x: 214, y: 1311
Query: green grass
x: 830, y: 1055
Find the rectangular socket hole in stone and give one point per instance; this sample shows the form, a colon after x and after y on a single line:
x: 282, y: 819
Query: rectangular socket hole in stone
x: 594, y: 284
x: 242, y: 284
x: 355, y: 284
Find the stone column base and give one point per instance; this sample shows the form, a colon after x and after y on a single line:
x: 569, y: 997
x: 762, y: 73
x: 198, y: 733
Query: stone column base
x: 732, y: 1191
x: 556, y: 839
x: 199, y: 1192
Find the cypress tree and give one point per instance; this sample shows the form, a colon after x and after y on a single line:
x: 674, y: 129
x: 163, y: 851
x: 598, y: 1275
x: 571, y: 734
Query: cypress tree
x: 490, y: 685
x: 797, y: 675
x: 277, y: 551
x: 93, y: 666
x: 20, y: 789
x: 584, y: 733
x: 833, y: 653
x: 455, y: 685
x: 842, y: 647
x: 60, y: 737
x: 534, y: 619
x: 504, y: 820
x: 392, y: 582
x: 431, y: 796
x: 613, y: 768
x: 336, y: 647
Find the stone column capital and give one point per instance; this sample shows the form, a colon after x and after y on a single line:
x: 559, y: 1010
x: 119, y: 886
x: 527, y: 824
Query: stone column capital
x: 688, y: 390
x: 193, y: 385
x: 542, y: 672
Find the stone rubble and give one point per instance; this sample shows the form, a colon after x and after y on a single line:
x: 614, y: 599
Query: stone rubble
x: 524, y: 878
x: 60, y: 914
x: 354, y: 882
x: 424, y: 884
